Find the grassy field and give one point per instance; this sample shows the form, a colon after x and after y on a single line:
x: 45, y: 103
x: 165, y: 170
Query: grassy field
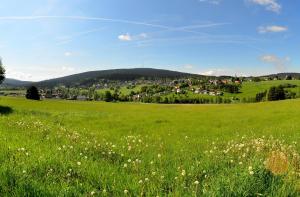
x: 250, y: 89
x: 72, y: 148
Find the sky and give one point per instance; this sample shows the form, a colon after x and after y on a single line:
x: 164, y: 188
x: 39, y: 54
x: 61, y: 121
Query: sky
x: 43, y: 39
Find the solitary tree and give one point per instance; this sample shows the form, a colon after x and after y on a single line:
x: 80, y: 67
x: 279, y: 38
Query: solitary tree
x: 2, y: 72
x: 33, y: 93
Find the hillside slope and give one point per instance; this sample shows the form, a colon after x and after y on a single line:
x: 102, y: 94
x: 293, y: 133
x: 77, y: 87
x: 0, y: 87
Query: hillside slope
x: 8, y: 82
x: 116, y: 74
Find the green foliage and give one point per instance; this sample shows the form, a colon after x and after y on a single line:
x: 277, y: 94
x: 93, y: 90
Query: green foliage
x: 33, y: 93
x: 2, y: 72
x: 108, y: 96
x: 276, y: 93
x: 260, y: 96
x: 230, y: 88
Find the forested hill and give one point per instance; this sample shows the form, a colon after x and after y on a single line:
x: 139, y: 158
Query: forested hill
x: 15, y: 83
x: 91, y: 77
x: 284, y: 75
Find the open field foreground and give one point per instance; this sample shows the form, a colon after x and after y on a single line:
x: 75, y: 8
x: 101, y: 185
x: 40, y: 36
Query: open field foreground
x: 70, y: 148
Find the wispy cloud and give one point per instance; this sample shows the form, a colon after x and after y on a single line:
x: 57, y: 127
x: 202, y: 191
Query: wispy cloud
x: 214, y: 2
x: 165, y: 27
x: 213, y: 72
x: 68, y: 54
x: 223, y: 72
x: 272, y: 29
x: 280, y: 64
x: 67, y: 69
x: 270, y: 5
x: 188, y: 66
x: 69, y: 38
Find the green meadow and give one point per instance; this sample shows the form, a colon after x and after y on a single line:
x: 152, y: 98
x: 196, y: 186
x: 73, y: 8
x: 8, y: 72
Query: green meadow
x: 73, y: 148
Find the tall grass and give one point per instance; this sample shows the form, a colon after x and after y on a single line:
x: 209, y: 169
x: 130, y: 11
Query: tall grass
x: 66, y: 148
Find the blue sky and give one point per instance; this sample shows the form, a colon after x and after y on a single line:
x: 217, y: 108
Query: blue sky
x: 42, y: 39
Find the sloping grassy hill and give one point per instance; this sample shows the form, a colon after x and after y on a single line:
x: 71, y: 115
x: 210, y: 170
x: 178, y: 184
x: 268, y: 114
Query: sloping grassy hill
x: 92, y: 148
x: 89, y: 78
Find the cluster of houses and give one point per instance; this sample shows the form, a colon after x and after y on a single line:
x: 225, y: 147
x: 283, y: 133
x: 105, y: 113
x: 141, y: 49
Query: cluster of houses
x: 208, y: 92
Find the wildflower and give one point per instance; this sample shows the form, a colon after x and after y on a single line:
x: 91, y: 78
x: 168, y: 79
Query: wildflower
x: 159, y: 155
x: 24, y: 171
x: 104, y: 191
x: 183, y: 173
x: 251, y: 172
x: 146, y: 179
x: 92, y: 193
x: 196, y: 182
x: 79, y: 163
x: 129, y: 160
x: 125, y: 191
x: 140, y: 181
x: 125, y: 165
x: 240, y: 163
x: 250, y: 168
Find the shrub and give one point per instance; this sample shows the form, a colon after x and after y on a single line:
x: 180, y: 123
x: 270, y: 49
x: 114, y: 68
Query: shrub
x: 2, y: 72
x: 33, y: 93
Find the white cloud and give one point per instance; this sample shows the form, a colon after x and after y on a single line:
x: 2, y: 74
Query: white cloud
x: 11, y: 73
x: 215, y: 2
x: 224, y: 72
x: 67, y: 69
x: 38, y: 73
x: 280, y: 64
x: 125, y: 37
x: 188, y: 66
x: 272, y: 29
x: 271, y: 5
x: 213, y: 72
x: 68, y: 54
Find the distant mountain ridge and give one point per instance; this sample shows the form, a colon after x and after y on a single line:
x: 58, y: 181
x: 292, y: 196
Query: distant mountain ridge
x: 283, y: 75
x: 91, y: 77
x: 15, y: 83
